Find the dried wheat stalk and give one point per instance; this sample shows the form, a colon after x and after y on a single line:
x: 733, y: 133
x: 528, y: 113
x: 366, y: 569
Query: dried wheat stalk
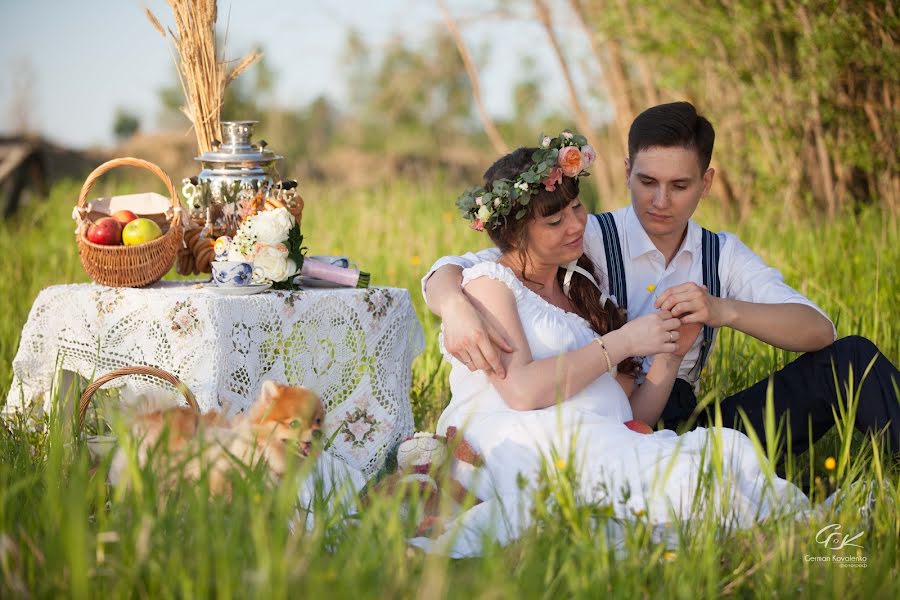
x: 202, y: 74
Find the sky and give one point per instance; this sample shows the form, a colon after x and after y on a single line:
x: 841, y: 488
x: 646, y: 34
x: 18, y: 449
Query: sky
x: 83, y: 60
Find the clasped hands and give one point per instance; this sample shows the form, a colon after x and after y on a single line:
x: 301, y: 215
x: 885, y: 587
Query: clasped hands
x: 683, y: 311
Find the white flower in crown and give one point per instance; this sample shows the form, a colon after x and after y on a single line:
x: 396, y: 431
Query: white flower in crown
x: 567, y: 134
x: 484, y: 213
x: 479, y: 201
x: 272, y: 226
x: 496, y: 202
x: 589, y: 155
x: 545, y: 143
x: 521, y: 186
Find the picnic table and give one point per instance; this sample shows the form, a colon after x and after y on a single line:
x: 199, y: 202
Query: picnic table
x: 354, y: 347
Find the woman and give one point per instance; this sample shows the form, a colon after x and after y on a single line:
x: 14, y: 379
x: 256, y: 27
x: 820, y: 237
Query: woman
x: 569, y: 385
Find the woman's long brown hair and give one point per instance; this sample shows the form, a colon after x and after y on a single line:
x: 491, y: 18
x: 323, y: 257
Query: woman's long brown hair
x: 511, y: 236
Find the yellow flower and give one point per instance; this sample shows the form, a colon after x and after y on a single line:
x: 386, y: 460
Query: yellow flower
x: 669, y: 555
x: 415, y: 260
x: 651, y: 288
x: 560, y: 463
x: 830, y: 463
x: 639, y: 514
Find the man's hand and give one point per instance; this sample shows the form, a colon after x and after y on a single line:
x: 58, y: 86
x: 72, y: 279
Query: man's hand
x: 471, y: 340
x: 692, y: 303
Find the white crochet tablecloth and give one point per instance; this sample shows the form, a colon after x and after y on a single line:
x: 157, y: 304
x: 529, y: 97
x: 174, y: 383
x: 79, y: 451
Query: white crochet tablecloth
x: 353, y: 347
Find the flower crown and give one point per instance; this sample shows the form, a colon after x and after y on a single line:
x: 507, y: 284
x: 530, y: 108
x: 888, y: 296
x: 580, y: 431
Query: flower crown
x: 567, y: 154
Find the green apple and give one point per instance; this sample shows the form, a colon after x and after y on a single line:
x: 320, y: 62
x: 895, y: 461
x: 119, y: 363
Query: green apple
x: 140, y: 231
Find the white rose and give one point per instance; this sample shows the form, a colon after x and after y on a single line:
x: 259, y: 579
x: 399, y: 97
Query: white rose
x: 272, y: 226
x: 545, y: 143
x: 496, y: 202
x: 484, y: 214
x: 274, y: 262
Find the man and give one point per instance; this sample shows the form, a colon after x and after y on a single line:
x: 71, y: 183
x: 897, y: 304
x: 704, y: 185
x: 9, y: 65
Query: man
x: 658, y: 260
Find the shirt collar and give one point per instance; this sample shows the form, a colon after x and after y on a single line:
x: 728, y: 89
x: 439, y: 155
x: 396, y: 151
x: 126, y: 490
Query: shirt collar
x: 637, y: 242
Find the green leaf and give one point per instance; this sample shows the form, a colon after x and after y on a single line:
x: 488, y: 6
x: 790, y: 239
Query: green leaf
x: 521, y: 214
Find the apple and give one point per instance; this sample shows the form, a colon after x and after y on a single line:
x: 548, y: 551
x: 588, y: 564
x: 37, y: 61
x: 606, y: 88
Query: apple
x: 124, y: 216
x: 638, y: 426
x: 106, y: 231
x: 140, y: 231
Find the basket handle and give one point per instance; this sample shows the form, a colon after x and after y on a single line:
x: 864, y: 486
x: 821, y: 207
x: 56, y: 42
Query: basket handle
x: 132, y: 162
x: 164, y: 375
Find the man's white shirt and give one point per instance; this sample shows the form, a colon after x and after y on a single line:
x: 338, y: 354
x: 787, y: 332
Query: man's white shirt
x: 743, y: 275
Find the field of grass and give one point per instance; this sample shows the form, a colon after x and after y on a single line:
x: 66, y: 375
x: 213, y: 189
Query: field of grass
x: 64, y: 533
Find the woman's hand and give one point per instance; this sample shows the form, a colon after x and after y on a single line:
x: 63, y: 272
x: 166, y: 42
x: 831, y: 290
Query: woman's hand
x: 656, y: 333
x: 472, y: 340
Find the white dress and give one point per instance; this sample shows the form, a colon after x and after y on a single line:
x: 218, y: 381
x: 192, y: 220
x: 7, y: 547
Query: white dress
x: 646, y: 476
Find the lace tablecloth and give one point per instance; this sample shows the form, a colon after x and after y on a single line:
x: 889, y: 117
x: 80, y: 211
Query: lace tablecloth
x: 353, y: 347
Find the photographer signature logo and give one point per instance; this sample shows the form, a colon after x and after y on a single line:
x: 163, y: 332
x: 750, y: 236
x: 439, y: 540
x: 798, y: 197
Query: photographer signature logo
x: 832, y: 538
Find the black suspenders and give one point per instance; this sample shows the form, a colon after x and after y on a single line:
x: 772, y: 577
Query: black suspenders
x: 615, y: 268
x: 618, y: 289
x: 710, y: 258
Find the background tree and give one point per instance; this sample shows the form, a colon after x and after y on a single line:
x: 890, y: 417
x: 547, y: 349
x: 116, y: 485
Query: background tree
x: 125, y: 124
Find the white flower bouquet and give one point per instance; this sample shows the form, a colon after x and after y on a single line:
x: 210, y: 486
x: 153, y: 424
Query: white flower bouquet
x: 272, y: 241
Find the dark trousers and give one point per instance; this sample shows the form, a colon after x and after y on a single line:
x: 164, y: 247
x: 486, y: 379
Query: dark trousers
x: 804, y: 393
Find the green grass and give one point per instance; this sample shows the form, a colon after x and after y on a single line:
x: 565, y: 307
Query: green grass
x: 64, y: 533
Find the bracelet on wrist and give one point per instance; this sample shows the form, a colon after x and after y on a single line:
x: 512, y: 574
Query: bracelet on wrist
x: 609, y: 365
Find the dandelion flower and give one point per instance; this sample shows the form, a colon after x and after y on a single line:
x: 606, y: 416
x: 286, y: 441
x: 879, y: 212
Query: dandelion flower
x: 560, y: 463
x: 830, y: 463
x: 669, y: 555
x: 651, y: 288
x: 415, y: 260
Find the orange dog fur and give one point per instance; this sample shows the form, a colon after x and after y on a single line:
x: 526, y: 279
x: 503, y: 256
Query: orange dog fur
x: 282, y: 422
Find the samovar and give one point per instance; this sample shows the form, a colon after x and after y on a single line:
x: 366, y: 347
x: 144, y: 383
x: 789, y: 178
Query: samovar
x: 237, y: 178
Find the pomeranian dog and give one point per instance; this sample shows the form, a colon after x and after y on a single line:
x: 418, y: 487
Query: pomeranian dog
x: 177, y: 442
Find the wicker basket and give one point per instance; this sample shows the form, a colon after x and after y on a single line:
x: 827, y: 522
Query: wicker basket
x: 153, y: 371
x: 130, y: 266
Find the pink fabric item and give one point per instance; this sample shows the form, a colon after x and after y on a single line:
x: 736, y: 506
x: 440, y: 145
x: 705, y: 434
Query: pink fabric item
x: 332, y: 273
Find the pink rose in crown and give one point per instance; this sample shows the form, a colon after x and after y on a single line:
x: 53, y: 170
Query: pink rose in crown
x: 552, y: 179
x: 570, y: 161
x: 588, y: 154
x: 477, y: 225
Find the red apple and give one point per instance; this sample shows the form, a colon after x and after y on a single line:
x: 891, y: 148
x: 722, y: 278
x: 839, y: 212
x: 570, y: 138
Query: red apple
x: 638, y: 426
x: 124, y: 216
x: 106, y: 231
